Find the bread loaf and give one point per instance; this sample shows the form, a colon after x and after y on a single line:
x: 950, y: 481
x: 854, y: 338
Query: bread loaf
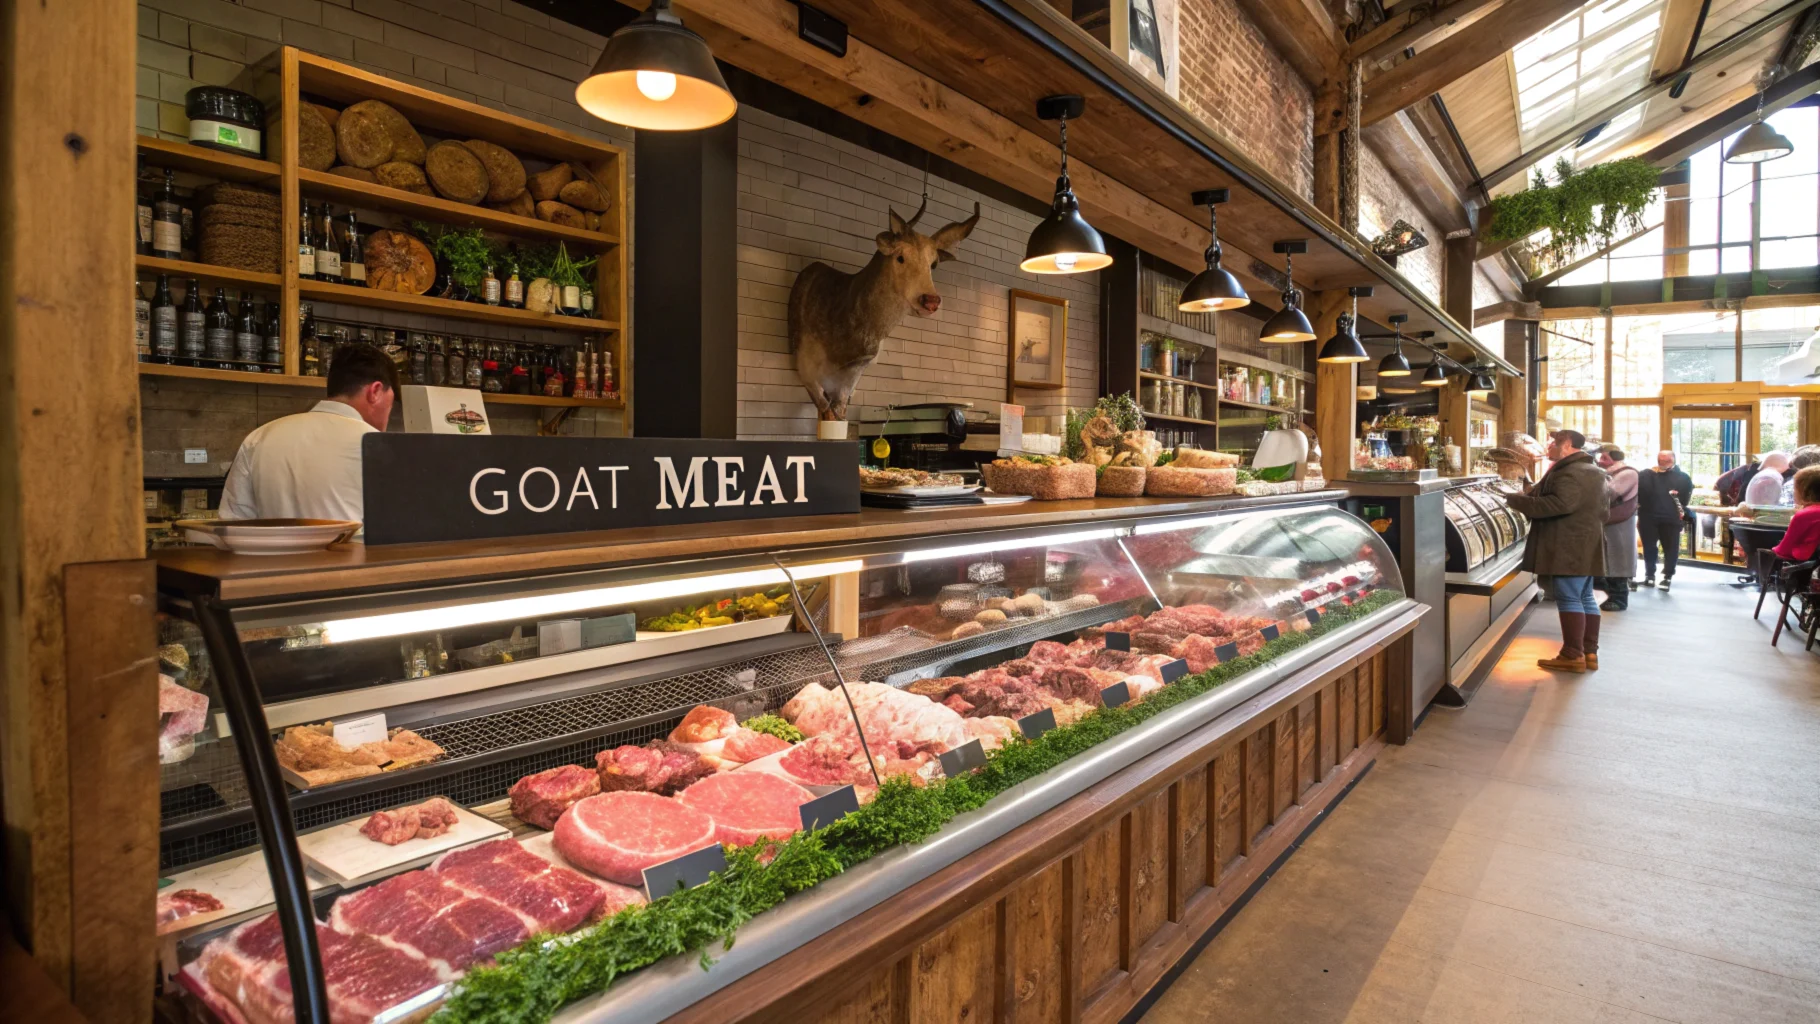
x: 547, y: 185
x: 1181, y: 482
x: 1122, y: 481
x: 1043, y: 482
x: 1201, y: 458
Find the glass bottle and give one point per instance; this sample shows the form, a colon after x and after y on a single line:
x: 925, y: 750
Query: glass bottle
x: 520, y: 381
x: 310, y: 364
x: 273, y: 356
x: 249, y: 341
x: 167, y: 221
x: 328, y: 250
x: 489, y: 287
x: 142, y: 325
x: 353, y: 255
x: 475, y: 376
x: 456, y: 373
x: 553, y: 377
x: 142, y: 212
x: 193, y: 325
x: 418, y: 347
x: 491, y: 381
x: 439, y: 363
x: 608, y: 384
x: 514, y: 290
x: 587, y: 301
x: 164, y: 322
x: 306, y: 245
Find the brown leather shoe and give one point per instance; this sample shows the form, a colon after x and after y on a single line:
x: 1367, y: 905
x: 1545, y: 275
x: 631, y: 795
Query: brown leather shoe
x: 1592, y: 663
x: 1563, y: 664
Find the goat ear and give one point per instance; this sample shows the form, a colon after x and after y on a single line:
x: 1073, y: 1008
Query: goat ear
x: 898, y: 226
x: 943, y: 255
x: 884, y: 240
x: 950, y: 236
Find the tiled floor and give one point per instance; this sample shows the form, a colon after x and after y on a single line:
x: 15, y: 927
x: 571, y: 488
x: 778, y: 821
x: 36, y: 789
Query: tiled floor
x: 1633, y: 845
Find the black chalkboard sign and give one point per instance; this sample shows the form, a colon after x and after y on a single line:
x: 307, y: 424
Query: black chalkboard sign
x: 826, y: 810
x: 1269, y: 632
x: 1035, y: 725
x: 1116, y: 694
x: 430, y: 487
x: 1314, y: 616
x: 1226, y: 652
x: 1173, y: 670
x: 1116, y: 641
x: 687, y: 871
x: 964, y: 758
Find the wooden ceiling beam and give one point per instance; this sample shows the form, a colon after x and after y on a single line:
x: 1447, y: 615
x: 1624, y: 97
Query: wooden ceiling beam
x: 1418, y: 27
x: 1406, y: 155
x: 1681, y: 22
x: 1487, y: 39
x: 1303, y: 33
x: 1790, y: 90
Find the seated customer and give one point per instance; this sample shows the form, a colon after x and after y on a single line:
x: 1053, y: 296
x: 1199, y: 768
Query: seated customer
x: 1799, y: 543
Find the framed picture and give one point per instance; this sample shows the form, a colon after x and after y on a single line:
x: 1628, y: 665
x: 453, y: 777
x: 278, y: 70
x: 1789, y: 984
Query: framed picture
x: 1037, y: 346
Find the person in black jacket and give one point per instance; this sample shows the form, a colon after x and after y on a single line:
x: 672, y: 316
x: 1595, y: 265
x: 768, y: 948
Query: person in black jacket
x: 1663, y: 492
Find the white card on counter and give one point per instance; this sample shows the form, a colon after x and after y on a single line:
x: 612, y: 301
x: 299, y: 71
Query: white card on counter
x: 353, y: 732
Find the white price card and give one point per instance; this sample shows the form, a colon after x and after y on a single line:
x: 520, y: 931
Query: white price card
x: 1010, y: 427
x: 365, y: 729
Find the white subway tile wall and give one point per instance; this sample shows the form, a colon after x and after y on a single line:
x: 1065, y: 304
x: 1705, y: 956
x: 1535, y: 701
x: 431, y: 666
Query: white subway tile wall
x: 806, y: 196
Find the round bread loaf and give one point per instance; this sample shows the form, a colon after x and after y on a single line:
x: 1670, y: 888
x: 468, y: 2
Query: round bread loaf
x: 399, y: 262
x: 356, y: 173
x: 361, y: 138
x: 584, y: 194
x: 399, y: 174
x: 456, y: 173
x: 1121, y: 482
x: 547, y: 184
x: 329, y: 114
x: 315, y: 140
x: 505, y: 173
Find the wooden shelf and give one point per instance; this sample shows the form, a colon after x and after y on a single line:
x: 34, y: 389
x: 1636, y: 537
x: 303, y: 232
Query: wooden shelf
x: 206, y: 272
x: 1257, y: 405
x: 547, y: 400
x: 1147, y: 375
x: 182, y: 156
x: 1178, y: 419
x: 240, y: 376
x: 320, y: 291
x: 366, y: 194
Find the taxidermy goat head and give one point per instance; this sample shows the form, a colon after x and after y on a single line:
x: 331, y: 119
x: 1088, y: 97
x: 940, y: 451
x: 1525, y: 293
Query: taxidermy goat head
x: 838, y: 321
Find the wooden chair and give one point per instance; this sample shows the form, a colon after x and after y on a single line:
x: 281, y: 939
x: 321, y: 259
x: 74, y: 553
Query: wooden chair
x: 1794, y: 581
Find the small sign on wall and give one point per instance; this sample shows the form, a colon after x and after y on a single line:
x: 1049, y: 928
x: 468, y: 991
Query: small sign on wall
x: 430, y: 410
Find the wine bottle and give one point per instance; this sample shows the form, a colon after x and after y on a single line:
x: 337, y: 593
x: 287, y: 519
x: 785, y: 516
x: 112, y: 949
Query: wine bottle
x: 142, y: 325
x: 142, y: 213
x: 192, y: 327
x: 328, y: 251
x: 167, y: 221
x: 164, y: 322
x: 249, y: 341
x: 353, y: 256
x: 306, y: 245
x: 218, y: 343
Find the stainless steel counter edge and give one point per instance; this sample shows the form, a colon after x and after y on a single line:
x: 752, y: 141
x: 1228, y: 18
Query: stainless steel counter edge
x: 652, y: 994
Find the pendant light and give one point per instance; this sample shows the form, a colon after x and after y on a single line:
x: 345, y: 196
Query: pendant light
x: 1064, y: 243
x: 1436, y: 374
x: 1214, y: 288
x: 657, y: 74
x: 1395, y: 364
x: 1290, y: 324
x: 1481, y: 384
x: 1344, y: 346
x: 1759, y: 143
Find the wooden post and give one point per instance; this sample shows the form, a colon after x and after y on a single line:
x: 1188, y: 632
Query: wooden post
x: 70, y: 467
x: 1336, y: 420
x: 1514, y: 411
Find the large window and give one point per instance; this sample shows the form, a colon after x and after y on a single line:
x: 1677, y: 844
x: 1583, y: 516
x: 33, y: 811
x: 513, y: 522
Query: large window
x: 1576, y: 358
x: 1771, y: 335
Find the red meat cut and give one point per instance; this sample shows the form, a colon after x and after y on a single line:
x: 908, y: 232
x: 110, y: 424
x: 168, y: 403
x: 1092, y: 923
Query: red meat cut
x: 545, y: 897
x: 618, y: 835
x: 364, y: 976
x: 541, y: 798
x: 657, y: 767
x: 426, y: 820
x: 418, y: 912
x: 749, y: 806
x: 745, y: 745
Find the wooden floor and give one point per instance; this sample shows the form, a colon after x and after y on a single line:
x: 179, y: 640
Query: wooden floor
x: 1634, y: 845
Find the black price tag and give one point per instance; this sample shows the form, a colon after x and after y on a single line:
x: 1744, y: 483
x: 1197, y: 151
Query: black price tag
x: 1173, y: 670
x: 1270, y: 632
x: 1226, y: 652
x: 1035, y: 725
x: 1116, y: 694
x: 1118, y: 641
x: 1314, y: 616
x: 964, y: 758
x: 687, y: 871
x: 826, y: 810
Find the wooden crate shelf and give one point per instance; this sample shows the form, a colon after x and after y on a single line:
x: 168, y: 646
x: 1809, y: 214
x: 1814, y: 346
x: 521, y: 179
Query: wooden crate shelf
x: 371, y: 298
x: 207, y: 273
x: 349, y: 192
x: 213, y: 163
x: 238, y: 376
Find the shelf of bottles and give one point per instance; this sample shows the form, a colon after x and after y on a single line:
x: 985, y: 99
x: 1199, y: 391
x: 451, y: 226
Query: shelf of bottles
x: 282, y: 325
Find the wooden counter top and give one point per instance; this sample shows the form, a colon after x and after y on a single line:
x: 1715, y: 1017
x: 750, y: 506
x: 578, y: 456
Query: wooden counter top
x: 352, y: 568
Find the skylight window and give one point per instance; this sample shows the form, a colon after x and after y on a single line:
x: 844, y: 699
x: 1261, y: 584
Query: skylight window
x: 1583, y: 63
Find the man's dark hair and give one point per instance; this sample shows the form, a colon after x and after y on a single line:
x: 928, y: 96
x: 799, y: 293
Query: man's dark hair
x: 1616, y: 453
x: 356, y: 366
x: 1573, y: 437
x: 1805, y: 456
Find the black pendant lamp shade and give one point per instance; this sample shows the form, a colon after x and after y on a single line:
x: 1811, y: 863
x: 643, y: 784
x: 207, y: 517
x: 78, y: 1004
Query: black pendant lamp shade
x: 1344, y: 346
x: 1396, y: 364
x: 1064, y: 243
x: 1481, y: 384
x: 1213, y: 288
x: 1290, y: 324
x: 657, y: 74
x: 1435, y: 376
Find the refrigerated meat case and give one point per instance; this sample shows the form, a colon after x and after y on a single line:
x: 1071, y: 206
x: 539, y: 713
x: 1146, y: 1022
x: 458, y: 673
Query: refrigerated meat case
x: 1486, y: 586
x: 485, y: 657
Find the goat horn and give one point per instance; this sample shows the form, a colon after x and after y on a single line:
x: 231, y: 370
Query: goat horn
x: 918, y: 215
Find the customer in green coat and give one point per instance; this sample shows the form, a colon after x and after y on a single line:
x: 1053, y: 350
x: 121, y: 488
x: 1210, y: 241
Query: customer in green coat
x: 1567, y: 510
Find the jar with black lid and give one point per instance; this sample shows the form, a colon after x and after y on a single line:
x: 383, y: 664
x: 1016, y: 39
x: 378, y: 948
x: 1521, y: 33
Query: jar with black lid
x: 225, y: 119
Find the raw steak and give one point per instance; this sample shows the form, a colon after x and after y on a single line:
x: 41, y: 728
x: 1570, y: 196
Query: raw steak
x: 704, y: 723
x: 175, y: 906
x: 618, y: 835
x: 547, y: 898
x: 659, y: 767
x: 749, y: 806
x: 364, y: 976
x: 541, y: 798
x: 418, y: 912
x: 184, y: 712
x: 426, y: 820
x: 886, y: 713
x: 1048, y: 652
x: 825, y: 761
x: 745, y: 745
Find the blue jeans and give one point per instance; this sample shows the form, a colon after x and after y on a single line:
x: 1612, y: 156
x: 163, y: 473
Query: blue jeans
x: 1575, y: 594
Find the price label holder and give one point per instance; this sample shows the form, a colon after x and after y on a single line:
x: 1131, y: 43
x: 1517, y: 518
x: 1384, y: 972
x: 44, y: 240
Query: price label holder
x: 1173, y: 670
x: 365, y: 729
x: 964, y: 758
x: 1116, y: 694
x: 826, y: 810
x: 1314, y: 616
x: 687, y: 871
x: 1035, y: 725
x: 1226, y: 652
x: 1270, y: 632
x: 1116, y: 641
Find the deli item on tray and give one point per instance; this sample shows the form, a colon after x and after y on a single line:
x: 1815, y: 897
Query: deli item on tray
x: 313, y: 754
x: 618, y: 835
x: 885, y: 479
x: 719, y: 739
x: 539, y: 799
x: 174, y: 907
x: 1043, y: 477
x: 1177, y: 481
x: 657, y: 767
x: 547, y: 898
x: 426, y: 820
x: 182, y: 713
x: 422, y: 914
x: 760, y: 604
x: 748, y: 806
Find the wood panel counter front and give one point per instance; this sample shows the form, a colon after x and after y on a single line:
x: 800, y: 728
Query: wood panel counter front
x: 353, y: 568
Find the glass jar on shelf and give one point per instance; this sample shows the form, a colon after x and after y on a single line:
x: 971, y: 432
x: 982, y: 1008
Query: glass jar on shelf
x: 1194, y: 405
x: 1166, y: 357
x: 1151, y: 396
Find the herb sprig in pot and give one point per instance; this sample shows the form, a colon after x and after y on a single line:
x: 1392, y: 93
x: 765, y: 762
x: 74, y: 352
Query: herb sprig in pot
x: 464, y: 254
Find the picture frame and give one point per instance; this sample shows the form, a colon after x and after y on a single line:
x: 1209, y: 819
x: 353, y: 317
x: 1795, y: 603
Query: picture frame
x: 1036, y: 342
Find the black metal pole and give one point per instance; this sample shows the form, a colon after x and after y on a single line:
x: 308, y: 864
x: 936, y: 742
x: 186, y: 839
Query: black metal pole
x: 271, y: 808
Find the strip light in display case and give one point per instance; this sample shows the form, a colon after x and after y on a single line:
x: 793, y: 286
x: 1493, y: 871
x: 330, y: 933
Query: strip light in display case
x: 425, y: 620
x: 1016, y: 544
x: 1249, y: 515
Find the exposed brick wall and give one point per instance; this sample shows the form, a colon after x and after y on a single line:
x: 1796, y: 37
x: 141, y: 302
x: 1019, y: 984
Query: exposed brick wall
x: 806, y: 196
x: 1382, y: 200
x: 1234, y: 80
x: 492, y: 52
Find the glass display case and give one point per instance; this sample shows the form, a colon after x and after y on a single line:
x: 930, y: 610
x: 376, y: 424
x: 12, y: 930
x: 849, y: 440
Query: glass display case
x: 1482, y: 529
x: 385, y: 787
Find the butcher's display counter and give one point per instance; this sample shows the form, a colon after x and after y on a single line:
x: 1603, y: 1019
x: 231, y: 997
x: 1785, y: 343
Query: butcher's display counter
x: 933, y: 759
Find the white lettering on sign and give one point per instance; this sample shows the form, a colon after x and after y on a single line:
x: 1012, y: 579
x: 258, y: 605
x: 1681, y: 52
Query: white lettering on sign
x: 797, y: 462
x: 726, y: 478
x: 582, y: 485
x: 613, y: 476
x: 555, y: 489
x: 474, y: 494
x: 767, y: 481
x: 667, y: 483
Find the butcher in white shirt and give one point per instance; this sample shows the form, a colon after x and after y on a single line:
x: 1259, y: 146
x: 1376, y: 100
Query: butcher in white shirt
x: 1765, y: 489
x: 307, y: 465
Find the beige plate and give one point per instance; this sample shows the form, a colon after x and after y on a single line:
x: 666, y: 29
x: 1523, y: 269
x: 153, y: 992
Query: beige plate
x: 268, y: 536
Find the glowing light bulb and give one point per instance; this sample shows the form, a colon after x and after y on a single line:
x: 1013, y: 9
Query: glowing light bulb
x: 1066, y: 261
x: 657, y: 85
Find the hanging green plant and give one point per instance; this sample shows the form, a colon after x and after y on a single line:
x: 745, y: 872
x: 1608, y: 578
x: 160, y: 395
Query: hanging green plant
x: 1580, y: 207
